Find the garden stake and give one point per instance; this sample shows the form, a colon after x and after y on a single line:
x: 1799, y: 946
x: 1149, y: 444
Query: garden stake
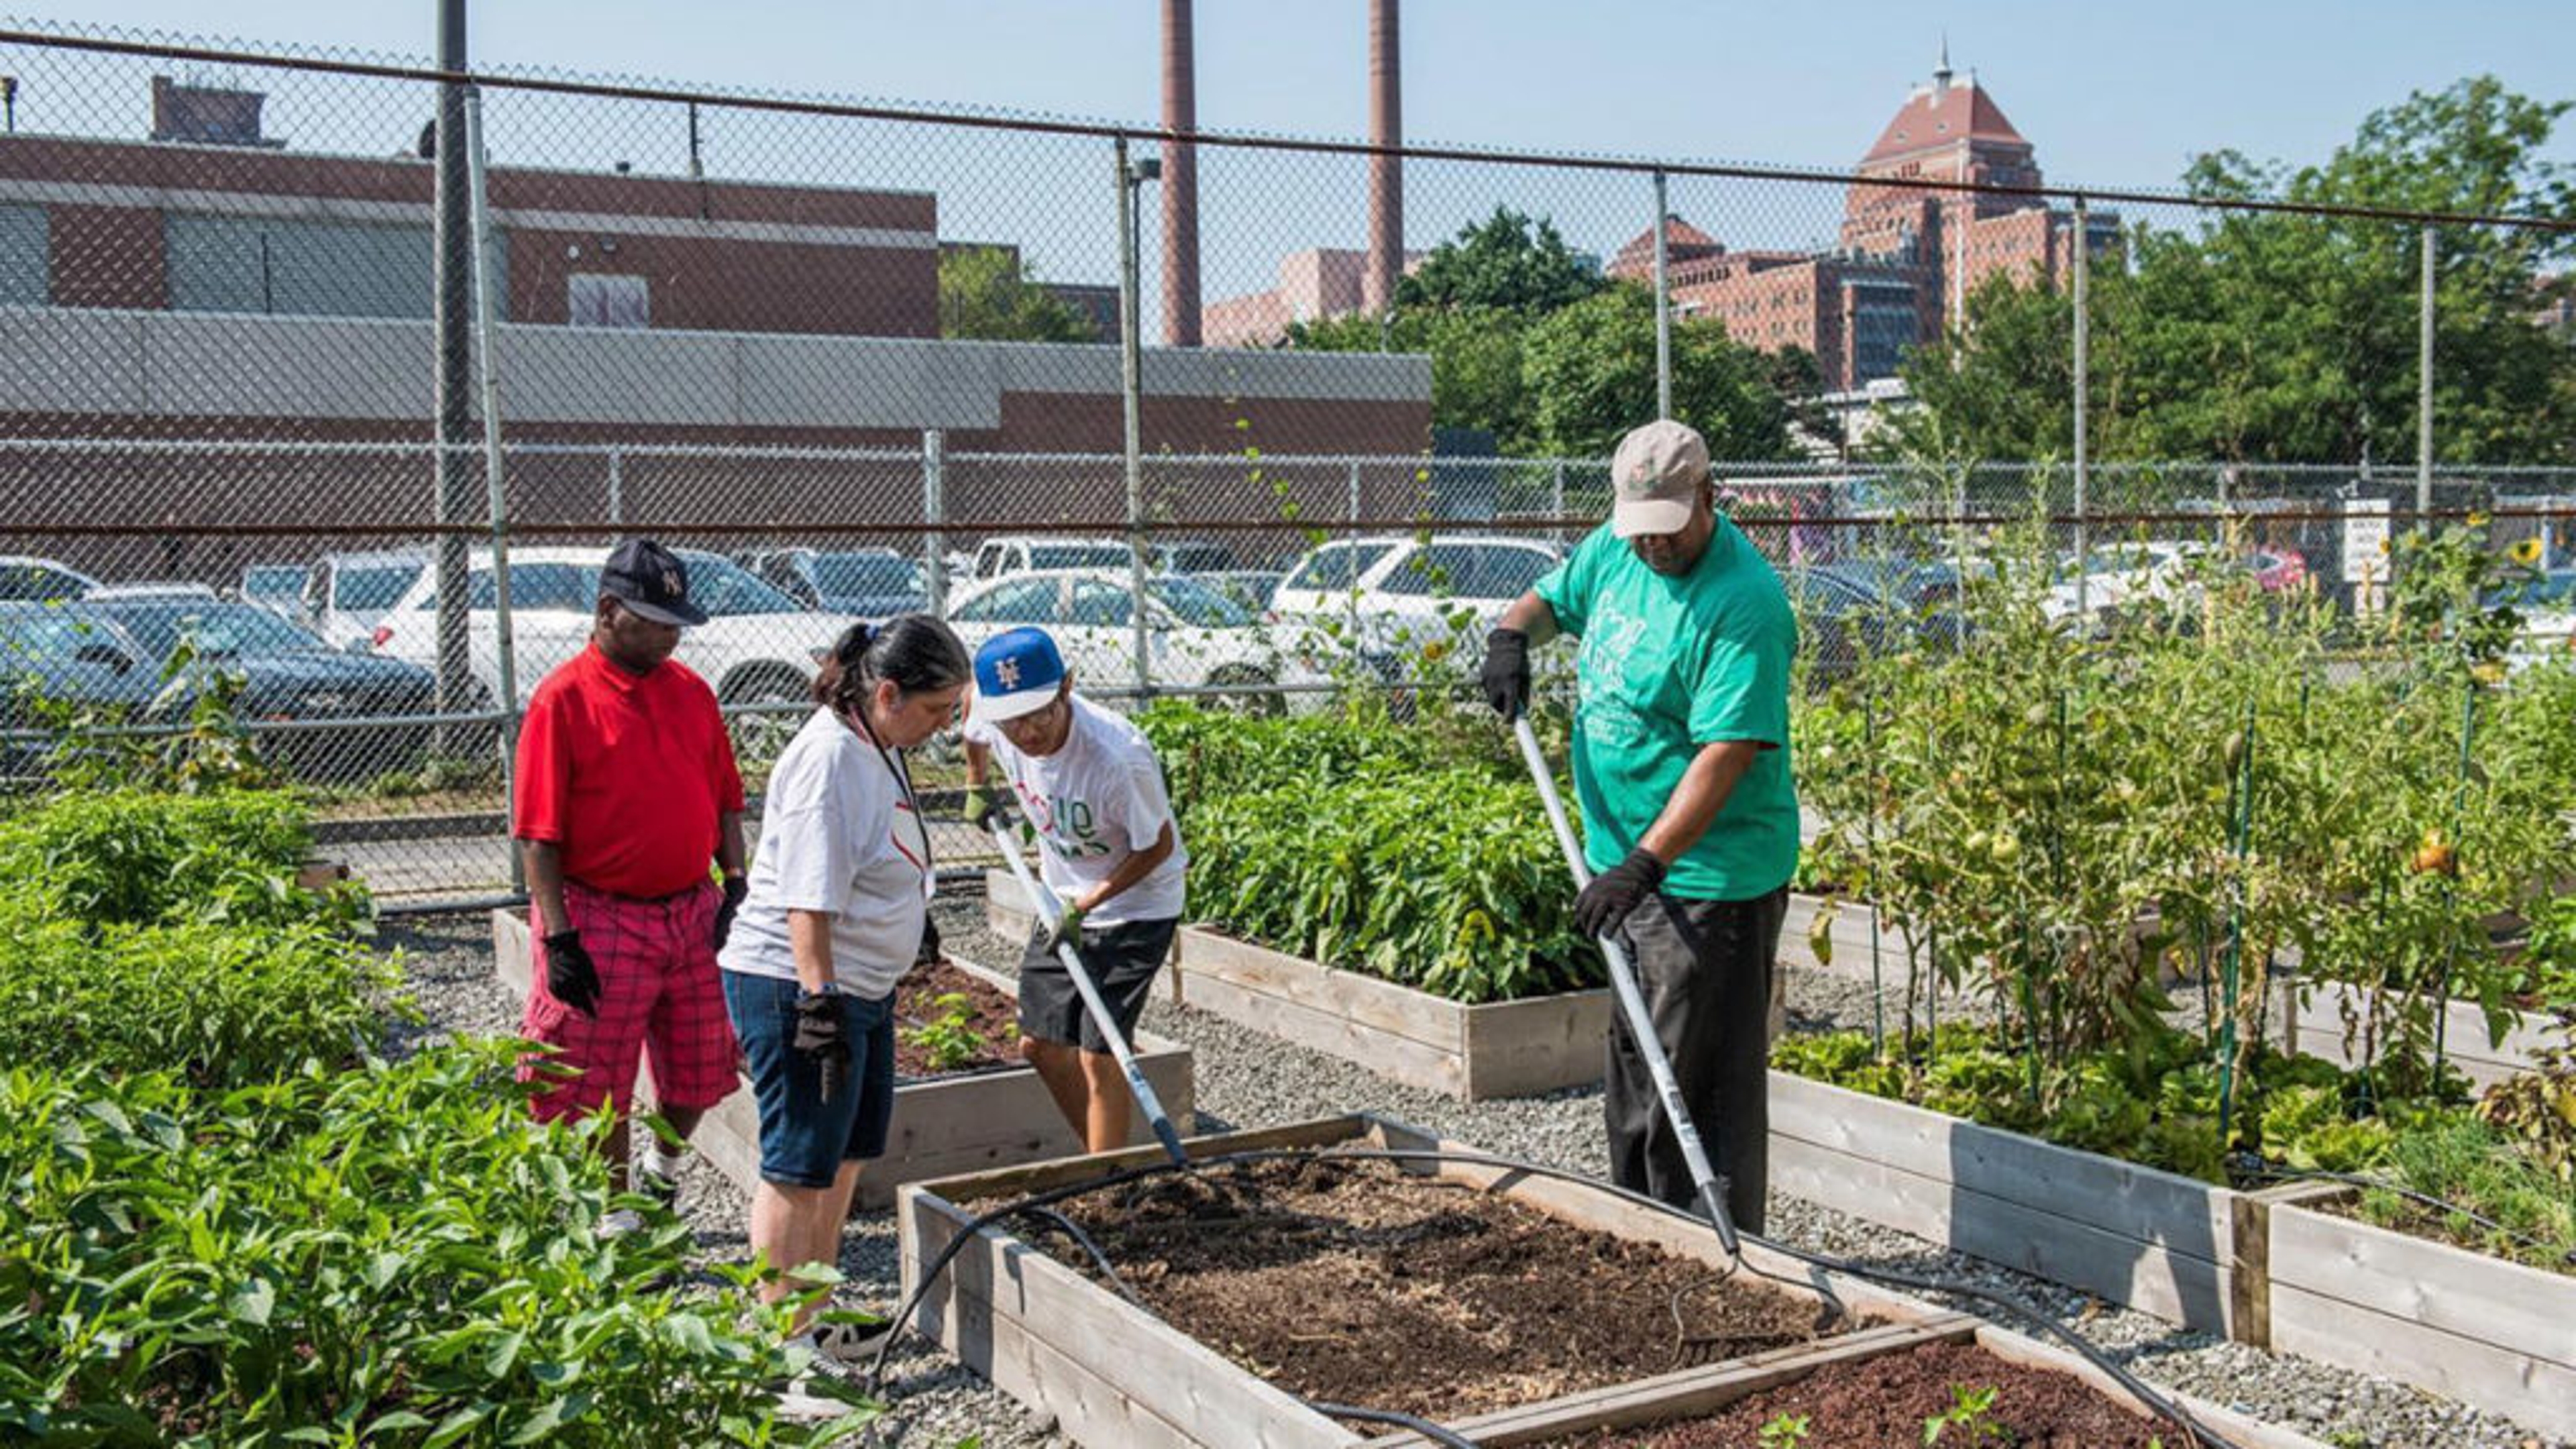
x: 1632, y: 1005
x: 1049, y: 910
x: 2451, y: 883
x: 1869, y: 824
x: 2244, y: 789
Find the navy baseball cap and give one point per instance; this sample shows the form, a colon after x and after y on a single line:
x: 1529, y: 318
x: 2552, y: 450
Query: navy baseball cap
x: 1016, y: 673
x: 650, y: 580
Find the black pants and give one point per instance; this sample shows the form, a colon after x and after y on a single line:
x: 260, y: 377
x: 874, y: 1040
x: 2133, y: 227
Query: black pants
x: 1705, y: 969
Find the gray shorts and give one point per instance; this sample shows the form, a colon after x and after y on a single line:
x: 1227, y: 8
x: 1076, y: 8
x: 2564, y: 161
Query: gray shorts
x: 1122, y: 960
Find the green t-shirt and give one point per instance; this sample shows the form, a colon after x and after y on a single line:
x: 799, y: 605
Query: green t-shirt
x: 1667, y: 666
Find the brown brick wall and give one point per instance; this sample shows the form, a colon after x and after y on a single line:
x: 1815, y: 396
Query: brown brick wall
x: 108, y: 256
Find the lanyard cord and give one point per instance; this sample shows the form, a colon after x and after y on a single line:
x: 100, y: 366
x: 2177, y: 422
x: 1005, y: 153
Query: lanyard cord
x: 857, y: 719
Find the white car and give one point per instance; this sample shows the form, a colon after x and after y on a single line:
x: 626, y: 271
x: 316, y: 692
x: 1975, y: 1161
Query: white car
x: 347, y: 595
x: 1195, y: 637
x: 41, y: 580
x: 2548, y: 608
x: 1405, y: 593
x: 995, y: 557
x: 2130, y: 575
x: 757, y: 646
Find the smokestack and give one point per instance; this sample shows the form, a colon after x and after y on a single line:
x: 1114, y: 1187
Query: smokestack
x: 1180, y: 180
x: 1386, y: 173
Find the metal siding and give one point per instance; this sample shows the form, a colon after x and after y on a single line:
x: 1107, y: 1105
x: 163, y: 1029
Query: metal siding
x: 26, y: 255
x: 303, y: 268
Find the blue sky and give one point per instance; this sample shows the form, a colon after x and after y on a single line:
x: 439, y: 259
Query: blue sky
x: 2112, y: 95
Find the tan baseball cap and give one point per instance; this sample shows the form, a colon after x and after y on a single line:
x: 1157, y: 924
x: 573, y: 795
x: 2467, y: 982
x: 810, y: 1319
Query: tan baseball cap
x: 1655, y: 478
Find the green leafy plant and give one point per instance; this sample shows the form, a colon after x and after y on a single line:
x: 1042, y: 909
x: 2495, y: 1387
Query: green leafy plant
x: 1971, y: 1412
x: 383, y: 1256
x: 1788, y: 1431
x: 131, y: 857
x: 949, y: 1037
x: 2536, y: 1110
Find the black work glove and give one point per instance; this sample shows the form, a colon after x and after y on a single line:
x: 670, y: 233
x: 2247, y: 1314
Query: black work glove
x: 570, y: 973
x: 735, y: 888
x: 984, y: 809
x: 1604, y: 905
x: 1507, y: 674
x: 928, y: 954
x: 819, y: 1039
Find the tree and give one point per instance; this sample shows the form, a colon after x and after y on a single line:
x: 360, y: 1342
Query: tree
x: 2291, y: 337
x: 1589, y: 373
x: 991, y: 294
x: 1475, y: 360
x: 1506, y: 262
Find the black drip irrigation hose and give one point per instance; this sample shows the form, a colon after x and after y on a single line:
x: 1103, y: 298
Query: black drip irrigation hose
x: 1041, y: 1204
x: 2250, y: 1166
x: 1437, y: 1434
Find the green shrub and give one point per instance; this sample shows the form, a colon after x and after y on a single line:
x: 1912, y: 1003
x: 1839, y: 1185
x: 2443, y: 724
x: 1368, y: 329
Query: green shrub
x: 220, y: 1005
x: 1443, y: 879
x: 385, y: 1256
x: 134, y: 858
x: 1210, y: 754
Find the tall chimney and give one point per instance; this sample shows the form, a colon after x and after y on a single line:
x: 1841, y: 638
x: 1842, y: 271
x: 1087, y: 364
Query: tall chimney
x: 1180, y: 180
x: 1386, y: 173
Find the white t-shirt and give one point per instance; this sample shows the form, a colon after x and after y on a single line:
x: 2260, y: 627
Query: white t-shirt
x: 1095, y: 802
x: 838, y: 833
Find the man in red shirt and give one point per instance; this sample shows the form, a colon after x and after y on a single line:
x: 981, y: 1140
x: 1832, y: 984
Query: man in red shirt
x: 626, y: 790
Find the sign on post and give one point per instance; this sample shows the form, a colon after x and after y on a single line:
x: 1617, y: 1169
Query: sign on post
x: 2365, y: 551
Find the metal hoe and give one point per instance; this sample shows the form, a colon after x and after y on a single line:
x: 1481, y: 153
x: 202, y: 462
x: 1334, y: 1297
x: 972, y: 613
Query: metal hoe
x: 1049, y: 911
x: 1632, y: 1005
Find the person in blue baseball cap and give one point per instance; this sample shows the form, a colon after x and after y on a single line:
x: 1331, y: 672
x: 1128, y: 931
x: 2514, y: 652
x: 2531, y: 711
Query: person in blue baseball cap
x: 1092, y: 791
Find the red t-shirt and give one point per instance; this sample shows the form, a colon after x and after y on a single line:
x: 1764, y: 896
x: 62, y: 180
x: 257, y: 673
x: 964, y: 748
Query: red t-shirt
x: 626, y: 774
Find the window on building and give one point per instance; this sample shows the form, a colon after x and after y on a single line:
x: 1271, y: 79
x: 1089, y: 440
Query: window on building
x: 598, y: 299
x: 297, y: 268
x: 26, y: 249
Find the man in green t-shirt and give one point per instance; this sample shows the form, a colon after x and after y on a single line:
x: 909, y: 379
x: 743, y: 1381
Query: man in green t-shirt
x: 1681, y: 764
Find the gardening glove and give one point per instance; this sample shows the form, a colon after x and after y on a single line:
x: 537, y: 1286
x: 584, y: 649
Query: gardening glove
x: 928, y: 953
x: 1067, y: 930
x: 984, y: 809
x: 570, y: 974
x: 735, y: 888
x: 1507, y: 672
x: 1604, y: 905
x: 819, y: 1039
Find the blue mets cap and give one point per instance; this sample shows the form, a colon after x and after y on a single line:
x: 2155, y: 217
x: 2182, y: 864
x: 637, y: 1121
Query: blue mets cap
x: 1016, y: 673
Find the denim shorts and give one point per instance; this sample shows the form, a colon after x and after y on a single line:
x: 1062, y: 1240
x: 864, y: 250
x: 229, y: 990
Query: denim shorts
x: 804, y: 1139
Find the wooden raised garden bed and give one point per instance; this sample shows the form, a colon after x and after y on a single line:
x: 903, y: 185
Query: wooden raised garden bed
x: 2166, y: 1245
x: 966, y: 1122
x: 1514, y: 1310
x: 2317, y: 1029
x: 2461, y: 1324
x: 1498, y: 1049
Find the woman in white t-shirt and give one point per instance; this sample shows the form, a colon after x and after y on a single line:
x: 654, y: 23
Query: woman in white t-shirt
x: 840, y: 890
x: 1091, y: 788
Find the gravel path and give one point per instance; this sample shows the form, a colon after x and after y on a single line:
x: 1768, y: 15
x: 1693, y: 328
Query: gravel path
x: 1244, y: 1079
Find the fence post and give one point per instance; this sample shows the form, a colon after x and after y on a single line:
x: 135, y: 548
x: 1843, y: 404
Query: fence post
x: 487, y: 356
x: 616, y: 488
x: 1663, y: 310
x: 2082, y: 265
x: 1556, y: 494
x: 934, y: 511
x: 2424, y: 391
x: 453, y: 321
x: 1131, y: 385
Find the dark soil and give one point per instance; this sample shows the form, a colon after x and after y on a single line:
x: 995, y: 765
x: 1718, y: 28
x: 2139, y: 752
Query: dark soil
x: 1883, y: 1403
x: 996, y: 1019
x: 1355, y: 1283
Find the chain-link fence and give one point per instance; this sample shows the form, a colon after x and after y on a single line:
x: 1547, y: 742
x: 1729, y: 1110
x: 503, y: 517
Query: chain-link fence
x: 259, y: 376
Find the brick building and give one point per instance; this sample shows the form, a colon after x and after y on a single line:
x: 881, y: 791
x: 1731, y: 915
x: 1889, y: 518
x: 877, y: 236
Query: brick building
x: 1906, y: 256
x: 1314, y: 284
x: 220, y: 285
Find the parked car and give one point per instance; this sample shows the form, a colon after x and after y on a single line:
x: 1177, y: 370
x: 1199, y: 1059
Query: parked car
x: 2128, y: 577
x: 1194, y: 636
x: 1252, y: 588
x: 53, y: 655
x: 2277, y: 569
x: 288, y: 675
x: 757, y: 646
x: 2547, y: 603
x: 278, y: 588
x: 1402, y: 593
x: 346, y: 595
x: 41, y: 580
x: 998, y: 556
x: 1846, y: 612
x: 175, y: 589
x: 1197, y: 556
x: 873, y: 583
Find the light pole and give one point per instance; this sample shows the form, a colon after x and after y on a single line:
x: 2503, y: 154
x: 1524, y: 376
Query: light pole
x: 1132, y: 175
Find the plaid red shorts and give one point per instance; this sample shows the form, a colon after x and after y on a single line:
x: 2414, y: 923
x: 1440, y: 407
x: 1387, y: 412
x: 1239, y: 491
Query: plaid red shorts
x: 659, y: 994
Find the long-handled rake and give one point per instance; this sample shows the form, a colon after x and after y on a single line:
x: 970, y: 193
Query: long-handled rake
x: 1050, y: 910
x: 1632, y: 1006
